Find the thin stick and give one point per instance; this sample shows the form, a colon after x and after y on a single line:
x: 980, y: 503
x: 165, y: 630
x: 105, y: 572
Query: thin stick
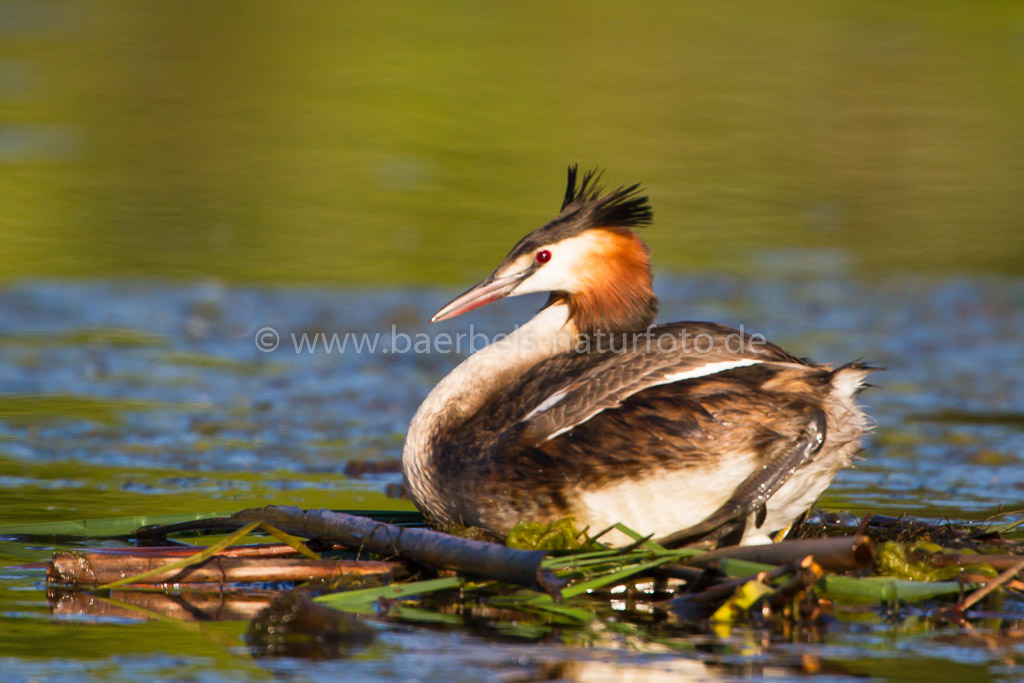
x: 977, y: 595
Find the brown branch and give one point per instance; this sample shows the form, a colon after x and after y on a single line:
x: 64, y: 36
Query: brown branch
x: 78, y: 568
x: 998, y: 562
x: 423, y: 546
x: 966, y: 577
x: 805, y: 575
x: 698, y: 605
x: 840, y: 553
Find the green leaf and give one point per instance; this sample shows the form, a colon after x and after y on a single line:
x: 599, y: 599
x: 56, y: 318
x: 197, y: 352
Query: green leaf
x: 619, y: 560
x: 886, y: 589
x: 362, y: 601
x: 574, y: 559
x: 294, y: 542
x: 735, y: 608
x: 425, y: 616
x: 647, y: 543
x: 103, y: 527
x: 739, y: 568
x: 611, y: 578
x: 879, y: 588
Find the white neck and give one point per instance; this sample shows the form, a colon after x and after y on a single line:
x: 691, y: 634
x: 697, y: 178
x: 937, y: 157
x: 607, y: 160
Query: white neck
x: 471, y: 384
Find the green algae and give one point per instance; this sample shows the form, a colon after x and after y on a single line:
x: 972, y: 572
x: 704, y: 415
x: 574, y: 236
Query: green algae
x: 912, y: 561
x: 560, y: 534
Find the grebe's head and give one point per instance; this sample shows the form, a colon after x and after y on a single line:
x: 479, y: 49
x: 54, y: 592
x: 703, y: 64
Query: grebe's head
x: 587, y: 257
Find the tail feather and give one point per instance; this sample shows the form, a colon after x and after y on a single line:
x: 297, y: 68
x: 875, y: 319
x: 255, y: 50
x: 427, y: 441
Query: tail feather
x: 849, y: 379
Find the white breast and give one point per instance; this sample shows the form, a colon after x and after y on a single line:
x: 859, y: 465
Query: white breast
x: 662, y: 502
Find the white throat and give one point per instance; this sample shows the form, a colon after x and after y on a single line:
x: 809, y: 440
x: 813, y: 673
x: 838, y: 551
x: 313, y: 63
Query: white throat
x: 471, y: 384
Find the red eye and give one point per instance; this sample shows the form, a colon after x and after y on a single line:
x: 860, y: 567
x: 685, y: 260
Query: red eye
x: 543, y: 256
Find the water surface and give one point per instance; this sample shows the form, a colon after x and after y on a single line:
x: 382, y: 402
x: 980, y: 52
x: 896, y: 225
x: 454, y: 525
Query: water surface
x: 140, y: 397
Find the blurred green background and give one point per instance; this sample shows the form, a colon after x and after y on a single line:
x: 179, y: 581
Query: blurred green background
x: 414, y: 142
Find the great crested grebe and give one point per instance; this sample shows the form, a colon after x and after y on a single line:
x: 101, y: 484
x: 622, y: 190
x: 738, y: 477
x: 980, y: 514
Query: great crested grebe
x: 689, y: 431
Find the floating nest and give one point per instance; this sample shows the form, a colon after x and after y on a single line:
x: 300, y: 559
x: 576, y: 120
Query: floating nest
x: 302, y: 592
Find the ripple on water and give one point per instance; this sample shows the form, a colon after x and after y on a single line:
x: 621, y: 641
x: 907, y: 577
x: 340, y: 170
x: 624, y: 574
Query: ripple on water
x: 164, y: 376
x: 126, y: 399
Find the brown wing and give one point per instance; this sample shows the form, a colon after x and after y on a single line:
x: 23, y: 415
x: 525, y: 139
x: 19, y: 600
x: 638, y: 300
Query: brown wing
x: 566, y: 391
x: 744, y: 420
x: 614, y: 416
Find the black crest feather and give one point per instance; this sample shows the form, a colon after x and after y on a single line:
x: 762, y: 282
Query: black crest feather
x: 585, y: 207
x: 622, y: 207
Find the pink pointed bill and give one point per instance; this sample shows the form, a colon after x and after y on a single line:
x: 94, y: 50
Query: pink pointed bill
x: 482, y: 294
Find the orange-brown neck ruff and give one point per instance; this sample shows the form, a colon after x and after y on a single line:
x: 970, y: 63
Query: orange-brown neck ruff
x: 615, y: 294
